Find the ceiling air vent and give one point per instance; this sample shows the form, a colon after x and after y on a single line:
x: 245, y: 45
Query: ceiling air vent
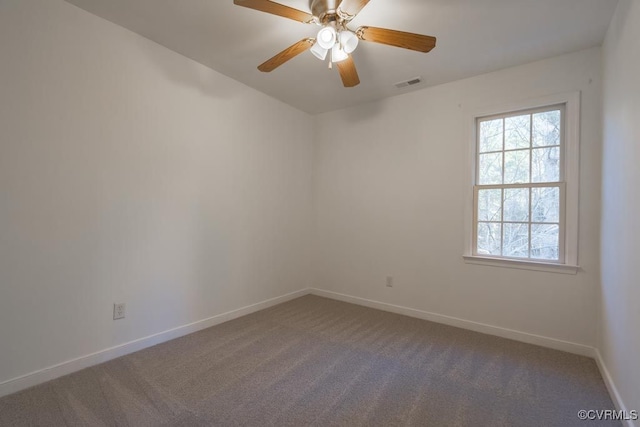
x: 410, y: 82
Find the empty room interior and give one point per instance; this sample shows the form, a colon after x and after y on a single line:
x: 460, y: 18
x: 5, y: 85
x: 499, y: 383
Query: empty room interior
x: 325, y: 212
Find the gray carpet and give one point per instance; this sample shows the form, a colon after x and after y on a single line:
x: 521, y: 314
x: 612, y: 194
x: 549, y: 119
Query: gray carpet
x: 315, y: 361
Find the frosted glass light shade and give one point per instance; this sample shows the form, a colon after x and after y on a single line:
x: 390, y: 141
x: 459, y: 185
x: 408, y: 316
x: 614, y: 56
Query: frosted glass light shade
x: 319, y: 52
x: 338, y: 54
x: 327, y: 37
x: 349, y: 41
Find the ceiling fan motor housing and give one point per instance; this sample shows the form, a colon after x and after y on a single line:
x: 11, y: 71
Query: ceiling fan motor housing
x: 325, y: 10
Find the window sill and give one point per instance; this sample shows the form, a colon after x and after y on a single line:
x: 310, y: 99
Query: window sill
x: 522, y: 265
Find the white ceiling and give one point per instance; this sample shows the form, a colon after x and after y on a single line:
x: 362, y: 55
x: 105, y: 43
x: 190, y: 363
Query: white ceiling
x: 474, y: 37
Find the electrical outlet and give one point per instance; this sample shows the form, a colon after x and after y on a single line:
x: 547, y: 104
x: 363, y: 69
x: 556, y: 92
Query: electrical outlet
x: 389, y: 281
x: 118, y: 311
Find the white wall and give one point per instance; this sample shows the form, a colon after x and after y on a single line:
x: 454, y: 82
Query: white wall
x: 391, y: 181
x: 620, y: 326
x: 129, y: 173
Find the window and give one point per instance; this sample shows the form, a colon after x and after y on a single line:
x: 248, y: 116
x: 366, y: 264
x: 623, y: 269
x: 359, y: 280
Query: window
x: 525, y: 186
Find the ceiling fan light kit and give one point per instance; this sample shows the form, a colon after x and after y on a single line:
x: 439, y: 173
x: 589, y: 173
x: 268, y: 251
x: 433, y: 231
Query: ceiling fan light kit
x: 335, y: 36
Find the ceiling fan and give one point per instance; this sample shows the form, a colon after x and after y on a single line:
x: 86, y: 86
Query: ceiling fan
x: 335, y: 40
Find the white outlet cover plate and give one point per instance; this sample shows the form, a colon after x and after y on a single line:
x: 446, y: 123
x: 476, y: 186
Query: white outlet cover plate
x: 118, y: 311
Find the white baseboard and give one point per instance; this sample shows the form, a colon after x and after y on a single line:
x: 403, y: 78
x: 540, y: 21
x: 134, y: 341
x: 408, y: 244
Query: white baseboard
x: 570, y: 347
x: 613, y: 390
x: 37, y: 377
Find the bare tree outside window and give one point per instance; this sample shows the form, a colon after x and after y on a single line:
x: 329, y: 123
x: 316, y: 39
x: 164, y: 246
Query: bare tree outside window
x: 519, y: 189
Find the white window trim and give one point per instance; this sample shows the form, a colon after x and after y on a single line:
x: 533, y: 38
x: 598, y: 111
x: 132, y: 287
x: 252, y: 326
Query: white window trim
x: 572, y: 176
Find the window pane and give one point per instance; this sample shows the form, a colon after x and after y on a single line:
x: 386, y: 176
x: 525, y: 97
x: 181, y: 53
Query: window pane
x: 546, y: 128
x: 517, y: 132
x: 516, y: 240
x: 489, y: 238
x: 544, y: 242
x: 490, y: 169
x: 491, y: 135
x: 516, y: 167
x: 546, y: 165
x: 545, y: 204
x: 489, y: 205
x: 516, y: 204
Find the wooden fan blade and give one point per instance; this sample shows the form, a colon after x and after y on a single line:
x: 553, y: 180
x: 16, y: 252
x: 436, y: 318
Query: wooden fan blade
x: 276, y: 9
x: 397, y: 38
x: 350, y: 8
x: 348, y: 72
x: 287, y: 54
